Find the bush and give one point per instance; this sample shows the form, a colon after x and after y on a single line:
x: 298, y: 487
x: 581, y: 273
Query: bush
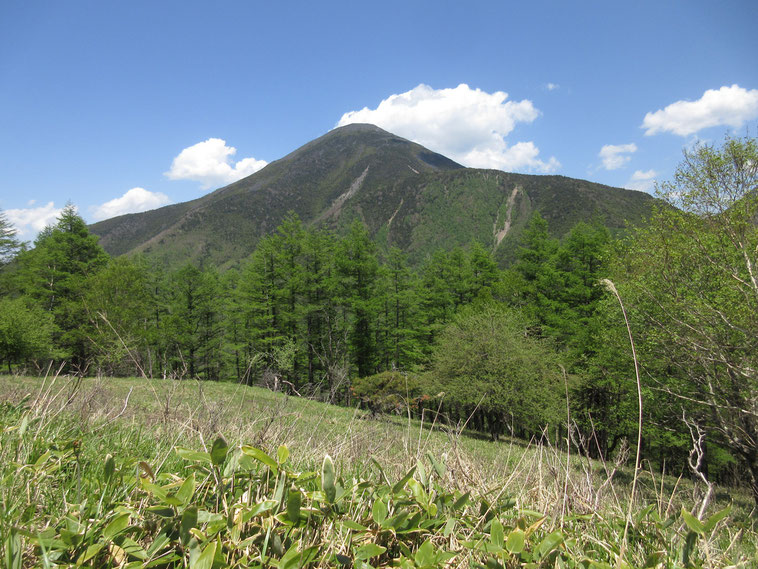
x: 387, y: 392
x: 492, y: 371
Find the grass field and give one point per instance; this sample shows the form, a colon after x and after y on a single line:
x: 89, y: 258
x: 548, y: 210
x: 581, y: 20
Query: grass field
x: 143, y: 473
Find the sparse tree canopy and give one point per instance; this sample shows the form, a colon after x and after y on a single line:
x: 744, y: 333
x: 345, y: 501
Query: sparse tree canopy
x: 694, y: 283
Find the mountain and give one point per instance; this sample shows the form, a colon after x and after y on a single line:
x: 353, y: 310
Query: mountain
x: 408, y: 196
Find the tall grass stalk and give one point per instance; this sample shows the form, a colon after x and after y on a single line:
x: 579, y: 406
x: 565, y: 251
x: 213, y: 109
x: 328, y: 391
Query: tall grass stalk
x: 610, y: 286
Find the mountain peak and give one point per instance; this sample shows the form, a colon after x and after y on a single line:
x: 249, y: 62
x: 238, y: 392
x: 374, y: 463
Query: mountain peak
x: 360, y: 127
x: 407, y: 195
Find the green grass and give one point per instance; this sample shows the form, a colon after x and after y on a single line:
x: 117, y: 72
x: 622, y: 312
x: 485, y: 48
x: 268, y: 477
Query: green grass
x: 91, y: 474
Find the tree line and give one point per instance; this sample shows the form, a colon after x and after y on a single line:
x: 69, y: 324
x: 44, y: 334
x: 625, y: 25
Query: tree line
x: 537, y: 349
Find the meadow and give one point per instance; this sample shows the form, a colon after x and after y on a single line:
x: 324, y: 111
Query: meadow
x: 106, y: 472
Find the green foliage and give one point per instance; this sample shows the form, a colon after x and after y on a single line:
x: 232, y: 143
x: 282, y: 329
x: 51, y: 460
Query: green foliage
x: 237, y: 505
x: 407, y: 196
x: 356, y: 268
x: 490, y: 369
x: 452, y: 280
x: 399, y: 317
x: 117, y: 299
x: 192, y: 325
x: 691, y: 278
x: 54, y: 273
x: 389, y: 391
x: 25, y: 332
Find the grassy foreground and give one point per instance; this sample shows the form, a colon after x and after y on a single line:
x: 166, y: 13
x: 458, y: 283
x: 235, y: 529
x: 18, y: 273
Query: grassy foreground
x: 138, y: 473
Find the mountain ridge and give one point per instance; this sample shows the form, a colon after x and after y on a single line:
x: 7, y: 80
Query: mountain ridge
x: 407, y: 195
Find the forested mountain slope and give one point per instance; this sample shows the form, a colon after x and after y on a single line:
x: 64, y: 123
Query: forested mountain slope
x: 406, y: 195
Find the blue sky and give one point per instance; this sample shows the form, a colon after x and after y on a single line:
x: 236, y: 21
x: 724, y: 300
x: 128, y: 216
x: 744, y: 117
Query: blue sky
x: 122, y: 106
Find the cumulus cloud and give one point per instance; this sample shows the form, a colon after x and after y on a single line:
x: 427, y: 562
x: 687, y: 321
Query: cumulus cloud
x: 642, y: 181
x: 614, y: 156
x: 729, y: 106
x: 467, y: 125
x: 210, y: 163
x: 31, y: 220
x: 133, y: 201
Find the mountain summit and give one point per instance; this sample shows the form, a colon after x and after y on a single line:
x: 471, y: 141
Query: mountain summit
x: 407, y: 195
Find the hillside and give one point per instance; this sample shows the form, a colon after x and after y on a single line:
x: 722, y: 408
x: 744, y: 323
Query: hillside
x: 407, y: 195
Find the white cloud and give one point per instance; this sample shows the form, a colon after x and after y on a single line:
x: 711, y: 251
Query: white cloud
x: 133, y: 201
x: 642, y: 181
x: 552, y: 86
x: 31, y: 220
x: 613, y: 155
x: 728, y: 106
x: 210, y: 163
x: 467, y: 125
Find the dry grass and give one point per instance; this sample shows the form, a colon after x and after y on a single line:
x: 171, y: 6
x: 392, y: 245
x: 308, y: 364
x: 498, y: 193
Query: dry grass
x: 188, y: 413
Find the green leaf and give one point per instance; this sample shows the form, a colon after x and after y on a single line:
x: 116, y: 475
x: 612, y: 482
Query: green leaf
x: 89, y: 553
x: 109, y: 468
x: 133, y: 549
x: 689, y: 547
x: 116, y: 526
x: 205, y: 559
x: 396, y: 522
x: 193, y: 455
x: 439, y: 467
x: 293, y: 505
x: 421, y: 471
x: 496, y: 533
x: 425, y: 555
x: 379, y: 512
x: 711, y: 522
x: 219, y: 451
x: 654, y: 559
x: 418, y: 491
x: 23, y: 425
x: 462, y: 501
x: 258, y: 509
x: 42, y: 459
x: 160, y: 541
x: 355, y: 526
x: 366, y: 552
x: 692, y: 522
x: 162, y: 511
x: 189, y: 521
x: 449, y: 526
x: 186, y: 490
x: 549, y: 544
x: 328, y: 479
x: 515, y: 542
x: 403, y: 481
x: 294, y: 559
x: 260, y: 456
x: 282, y: 454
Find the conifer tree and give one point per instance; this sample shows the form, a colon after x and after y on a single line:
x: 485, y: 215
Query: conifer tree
x: 54, y: 273
x: 9, y: 245
x: 357, y: 267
